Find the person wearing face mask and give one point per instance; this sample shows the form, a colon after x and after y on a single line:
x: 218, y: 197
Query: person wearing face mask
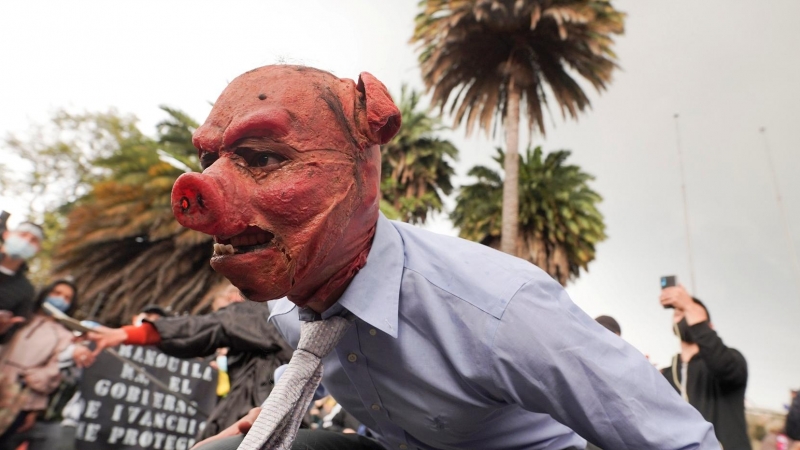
x: 709, y: 375
x: 16, y: 291
x: 35, y: 357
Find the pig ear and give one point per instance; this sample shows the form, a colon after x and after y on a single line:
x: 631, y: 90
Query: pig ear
x: 383, y: 117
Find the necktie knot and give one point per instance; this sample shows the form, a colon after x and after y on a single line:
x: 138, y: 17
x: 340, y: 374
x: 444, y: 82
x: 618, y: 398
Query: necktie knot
x: 319, y: 337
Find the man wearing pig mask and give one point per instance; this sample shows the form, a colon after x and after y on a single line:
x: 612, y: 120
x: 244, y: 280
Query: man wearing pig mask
x: 432, y: 342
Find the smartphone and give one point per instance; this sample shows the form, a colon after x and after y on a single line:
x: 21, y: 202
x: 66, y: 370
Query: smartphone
x: 669, y: 281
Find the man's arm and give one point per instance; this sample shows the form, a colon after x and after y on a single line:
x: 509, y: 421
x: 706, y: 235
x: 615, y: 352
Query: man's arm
x: 550, y: 357
x: 727, y: 364
x: 243, y: 327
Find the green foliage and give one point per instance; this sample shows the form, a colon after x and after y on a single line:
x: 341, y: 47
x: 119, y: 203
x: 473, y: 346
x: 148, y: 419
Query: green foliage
x: 56, y: 164
x: 101, y: 188
x: 62, y: 156
x: 473, y: 52
x: 559, y: 223
x: 415, y: 168
x: 122, y: 243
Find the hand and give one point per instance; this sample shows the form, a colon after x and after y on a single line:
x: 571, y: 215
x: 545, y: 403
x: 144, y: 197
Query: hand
x: 82, y: 356
x: 675, y: 296
x: 27, y: 424
x: 8, y: 320
x: 107, y: 337
x: 240, y: 427
x: 685, y: 306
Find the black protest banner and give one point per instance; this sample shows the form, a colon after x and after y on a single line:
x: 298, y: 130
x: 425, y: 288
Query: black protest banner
x: 123, y: 409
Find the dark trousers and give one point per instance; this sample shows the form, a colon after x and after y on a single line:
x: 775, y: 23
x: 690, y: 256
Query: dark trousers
x: 10, y: 439
x: 309, y: 440
x: 313, y: 440
x: 43, y: 436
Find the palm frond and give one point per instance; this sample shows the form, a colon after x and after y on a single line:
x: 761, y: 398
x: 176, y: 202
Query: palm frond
x: 559, y: 223
x: 470, y: 52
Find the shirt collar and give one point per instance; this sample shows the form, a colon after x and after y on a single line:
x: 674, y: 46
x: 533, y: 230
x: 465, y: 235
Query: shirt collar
x: 374, y: 294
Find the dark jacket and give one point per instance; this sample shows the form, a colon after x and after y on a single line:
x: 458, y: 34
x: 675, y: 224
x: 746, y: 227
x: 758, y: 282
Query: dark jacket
x: 793, y: 419
x: 716, y: 382
x: 16, y: 295
x: 255, y: 351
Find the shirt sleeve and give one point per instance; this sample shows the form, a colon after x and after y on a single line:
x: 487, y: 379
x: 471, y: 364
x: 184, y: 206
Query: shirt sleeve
x: 727, y: 364
x: 550, y: 357
x: 144, y: 334
x: 243, y: 327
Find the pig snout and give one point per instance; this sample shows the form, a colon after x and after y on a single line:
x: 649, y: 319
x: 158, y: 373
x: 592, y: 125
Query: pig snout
x: 197, y: 203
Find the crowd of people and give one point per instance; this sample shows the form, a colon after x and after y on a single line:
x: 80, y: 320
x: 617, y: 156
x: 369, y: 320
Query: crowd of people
x: 422, y: 347
x: 41, y: 359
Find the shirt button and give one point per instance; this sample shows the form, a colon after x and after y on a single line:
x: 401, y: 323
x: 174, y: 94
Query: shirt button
x: 376, y: 407
x: 372, y: 332
x: 352, y: 357
x: 403, y: 446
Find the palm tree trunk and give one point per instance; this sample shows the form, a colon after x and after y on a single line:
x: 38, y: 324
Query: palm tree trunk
x: 508, y: 238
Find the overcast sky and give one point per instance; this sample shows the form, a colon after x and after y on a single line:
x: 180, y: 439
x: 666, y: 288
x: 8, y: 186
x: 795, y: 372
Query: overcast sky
x: 728, y: 67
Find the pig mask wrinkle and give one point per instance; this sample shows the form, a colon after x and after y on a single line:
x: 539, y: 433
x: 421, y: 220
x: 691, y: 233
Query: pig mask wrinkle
x: 316, y: 199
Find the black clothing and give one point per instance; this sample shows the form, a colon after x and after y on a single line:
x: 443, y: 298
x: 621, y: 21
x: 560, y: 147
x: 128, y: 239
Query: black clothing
x: 16, y: 295
x: 312, y: 440
x: 793, y: 420
x: 341, y: 421
x: 716, y: 382
x: 255, y: 351
x: 308, y: 439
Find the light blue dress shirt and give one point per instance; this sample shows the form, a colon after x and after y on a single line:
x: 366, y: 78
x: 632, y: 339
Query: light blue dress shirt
x: 458, y: 346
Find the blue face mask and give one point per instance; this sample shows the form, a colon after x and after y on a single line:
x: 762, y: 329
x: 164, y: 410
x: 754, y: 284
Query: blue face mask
x: 58, y: 302
x: 19, y: 248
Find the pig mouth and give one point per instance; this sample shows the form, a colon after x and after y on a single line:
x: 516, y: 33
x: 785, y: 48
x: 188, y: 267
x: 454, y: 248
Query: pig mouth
x: 250, y: 240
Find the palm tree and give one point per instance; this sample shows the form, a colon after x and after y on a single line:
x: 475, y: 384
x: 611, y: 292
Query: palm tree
x: 486, y: 57
x: 122, y: 243
x: 559, y: 224
x: 415, y: 168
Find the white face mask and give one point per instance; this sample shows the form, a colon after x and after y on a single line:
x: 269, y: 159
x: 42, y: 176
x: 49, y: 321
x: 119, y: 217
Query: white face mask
x: 19, y: 248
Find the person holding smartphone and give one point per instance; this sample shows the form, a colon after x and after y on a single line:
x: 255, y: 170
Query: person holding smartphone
x: 709, y: 375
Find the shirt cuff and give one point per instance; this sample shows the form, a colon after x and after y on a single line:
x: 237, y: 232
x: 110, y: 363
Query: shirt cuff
x: 701, y: 329
x: 144, y: 334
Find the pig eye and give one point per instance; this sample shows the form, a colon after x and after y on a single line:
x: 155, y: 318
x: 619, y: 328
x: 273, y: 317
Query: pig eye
x: 255, y: 158
x: 207, y: 159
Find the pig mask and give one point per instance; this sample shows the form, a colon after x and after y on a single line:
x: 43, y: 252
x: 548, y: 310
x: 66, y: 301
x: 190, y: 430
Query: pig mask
x: 290, y: 186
